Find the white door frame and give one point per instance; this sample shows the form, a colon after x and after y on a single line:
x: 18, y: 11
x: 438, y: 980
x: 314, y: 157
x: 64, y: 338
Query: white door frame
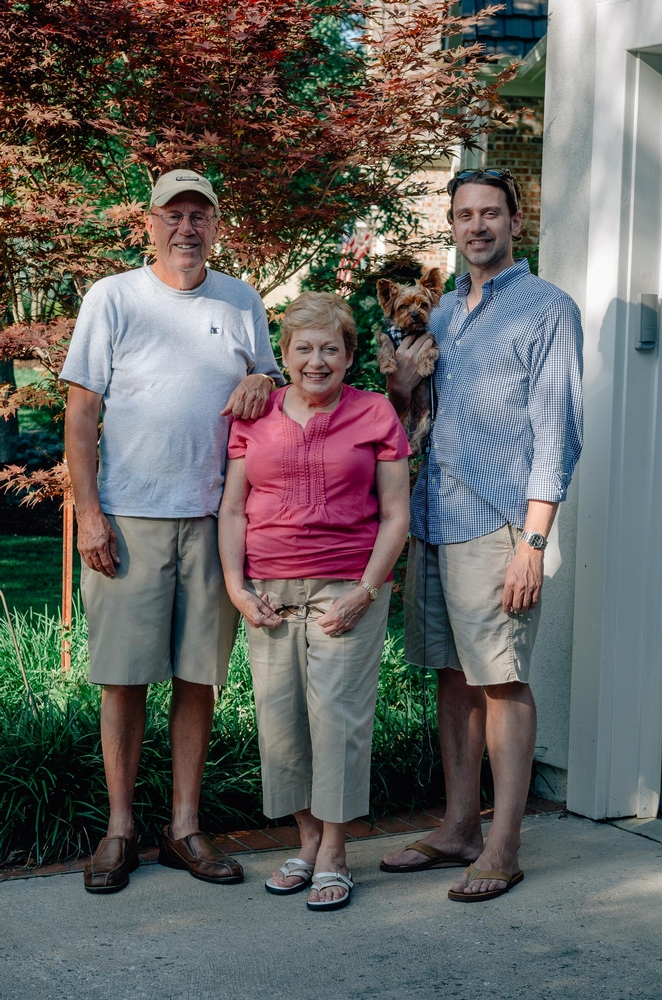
x: 615, y: 752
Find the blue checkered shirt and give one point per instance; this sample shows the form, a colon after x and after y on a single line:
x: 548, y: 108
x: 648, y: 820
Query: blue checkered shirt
x: 508, y: 425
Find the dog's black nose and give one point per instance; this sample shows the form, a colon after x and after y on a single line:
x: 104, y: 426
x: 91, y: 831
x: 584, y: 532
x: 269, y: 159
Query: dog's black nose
x: 414, y: 315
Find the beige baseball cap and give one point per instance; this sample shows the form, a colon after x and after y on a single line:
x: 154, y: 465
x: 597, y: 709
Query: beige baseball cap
x: 177, y: 182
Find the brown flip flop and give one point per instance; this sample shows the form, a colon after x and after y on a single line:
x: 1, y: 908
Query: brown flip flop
x: 438, y: 859
x: 479, y: 897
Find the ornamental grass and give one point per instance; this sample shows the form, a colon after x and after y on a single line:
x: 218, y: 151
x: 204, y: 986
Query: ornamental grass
x: 53, y: 800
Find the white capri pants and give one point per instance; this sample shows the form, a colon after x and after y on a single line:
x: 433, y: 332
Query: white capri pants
x: 315, y: 698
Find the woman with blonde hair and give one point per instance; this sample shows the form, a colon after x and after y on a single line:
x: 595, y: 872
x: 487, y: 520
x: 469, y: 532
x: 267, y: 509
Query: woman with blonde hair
x: 314, y: 515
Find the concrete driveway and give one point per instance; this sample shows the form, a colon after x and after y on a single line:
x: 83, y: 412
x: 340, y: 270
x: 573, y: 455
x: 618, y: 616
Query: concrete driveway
x: 586, y: 924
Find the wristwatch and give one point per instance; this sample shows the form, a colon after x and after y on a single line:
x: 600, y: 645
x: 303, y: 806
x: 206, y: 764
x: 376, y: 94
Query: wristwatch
x: 373, y: 592
x: 534, y: 539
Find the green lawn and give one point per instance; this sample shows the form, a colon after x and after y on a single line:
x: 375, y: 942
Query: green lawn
x: 31, y: 572
x: 32, y: 420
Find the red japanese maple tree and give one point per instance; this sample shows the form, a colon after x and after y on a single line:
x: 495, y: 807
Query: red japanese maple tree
x: 305, y: 114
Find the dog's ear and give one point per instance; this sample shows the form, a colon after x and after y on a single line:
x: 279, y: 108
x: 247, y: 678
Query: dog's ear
x: 386, y: 293
x: 433, y: 281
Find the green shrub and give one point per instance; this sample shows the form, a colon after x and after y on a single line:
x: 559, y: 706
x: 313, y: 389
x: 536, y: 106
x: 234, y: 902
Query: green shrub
x: 52, y: 792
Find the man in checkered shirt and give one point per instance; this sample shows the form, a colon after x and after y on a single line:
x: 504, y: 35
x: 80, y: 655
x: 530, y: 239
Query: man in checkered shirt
x: 506, y: 437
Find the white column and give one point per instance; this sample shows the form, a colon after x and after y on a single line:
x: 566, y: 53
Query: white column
x: 564, y: 222
x: 616, y: 694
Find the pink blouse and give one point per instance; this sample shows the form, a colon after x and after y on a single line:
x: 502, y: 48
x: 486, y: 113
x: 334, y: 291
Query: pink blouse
x: 312, y: 509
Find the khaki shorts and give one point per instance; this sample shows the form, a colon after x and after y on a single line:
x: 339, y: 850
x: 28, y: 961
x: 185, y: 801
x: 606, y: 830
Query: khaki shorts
x: 453, y: 613
x: 315, y: 698
x: 166, y: 613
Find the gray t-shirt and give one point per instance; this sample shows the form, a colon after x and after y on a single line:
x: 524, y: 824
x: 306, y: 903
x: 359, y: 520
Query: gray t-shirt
x: 166, y: 363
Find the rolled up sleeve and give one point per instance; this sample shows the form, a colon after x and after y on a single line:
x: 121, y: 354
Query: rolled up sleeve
x: 555, y: 402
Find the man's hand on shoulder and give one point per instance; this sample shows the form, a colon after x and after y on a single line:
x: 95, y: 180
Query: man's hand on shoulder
x: 97, y: 542
x: 251, y: 397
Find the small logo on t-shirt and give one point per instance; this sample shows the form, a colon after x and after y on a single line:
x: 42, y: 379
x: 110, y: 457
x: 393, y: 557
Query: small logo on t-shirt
x: 215, y: 329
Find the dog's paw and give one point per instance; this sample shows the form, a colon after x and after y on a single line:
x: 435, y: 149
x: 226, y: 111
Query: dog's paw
x: 426, y: 361
x: 386, y: 356
x: 418, y: 432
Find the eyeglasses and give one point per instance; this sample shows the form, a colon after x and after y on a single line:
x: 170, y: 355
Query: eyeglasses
x: 198, y: 219
x: 300, y: 612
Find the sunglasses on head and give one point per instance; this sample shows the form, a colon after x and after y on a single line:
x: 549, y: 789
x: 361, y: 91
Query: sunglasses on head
x: 502, y: 175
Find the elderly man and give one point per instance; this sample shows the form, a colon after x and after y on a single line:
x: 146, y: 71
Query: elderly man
x: 505, y: 441
x: 165, y: 352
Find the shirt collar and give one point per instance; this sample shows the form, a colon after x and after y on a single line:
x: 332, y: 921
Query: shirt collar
x: 512, y: 273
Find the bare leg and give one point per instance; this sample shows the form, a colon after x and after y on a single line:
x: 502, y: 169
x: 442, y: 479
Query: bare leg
x: 461, y: 715
x: 511, y: 737
x: 122, y: 732
x: 191, y: 713
x: 310, y: 830
x: 331, y: 857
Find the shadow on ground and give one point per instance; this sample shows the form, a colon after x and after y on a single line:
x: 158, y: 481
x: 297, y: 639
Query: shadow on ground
x: 584, y: 924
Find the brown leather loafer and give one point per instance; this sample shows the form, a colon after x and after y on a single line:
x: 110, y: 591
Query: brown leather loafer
x: 198, y: 855
x: 111, y: 864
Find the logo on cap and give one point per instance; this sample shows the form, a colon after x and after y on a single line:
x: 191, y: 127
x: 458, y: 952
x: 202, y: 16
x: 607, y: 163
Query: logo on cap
x: 188, y: 178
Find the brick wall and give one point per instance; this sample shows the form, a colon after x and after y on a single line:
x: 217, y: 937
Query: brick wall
x: 431, y: 209
x: 520, y: 151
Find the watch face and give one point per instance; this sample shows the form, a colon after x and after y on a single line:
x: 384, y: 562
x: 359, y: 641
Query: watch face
x: 536, y: 540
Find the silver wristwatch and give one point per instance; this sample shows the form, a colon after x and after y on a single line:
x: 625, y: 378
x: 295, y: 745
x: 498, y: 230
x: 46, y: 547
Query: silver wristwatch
x: 534, y: 539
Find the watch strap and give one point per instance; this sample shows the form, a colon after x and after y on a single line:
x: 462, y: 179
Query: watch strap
x: 373, y: 592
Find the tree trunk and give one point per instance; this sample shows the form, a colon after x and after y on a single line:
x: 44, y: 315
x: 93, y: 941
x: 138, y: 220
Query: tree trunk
x: 8, y: 428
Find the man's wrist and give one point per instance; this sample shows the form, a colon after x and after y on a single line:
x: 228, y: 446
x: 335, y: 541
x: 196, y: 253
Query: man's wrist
x: 394, y: 383
x: 535, y: 540
x: 399, y: 398
x: 531, y: 553
x: 268, y: 378
x: 83, y: 512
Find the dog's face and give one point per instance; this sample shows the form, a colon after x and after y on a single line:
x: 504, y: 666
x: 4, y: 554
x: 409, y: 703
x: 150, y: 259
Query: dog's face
x: 409, y: 306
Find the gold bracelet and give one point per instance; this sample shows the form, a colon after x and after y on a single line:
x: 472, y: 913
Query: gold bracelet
x: 273, y: 381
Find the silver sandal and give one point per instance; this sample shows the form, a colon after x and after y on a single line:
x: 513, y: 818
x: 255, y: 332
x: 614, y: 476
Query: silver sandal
x: 293, y: 866
x: 325, y: 880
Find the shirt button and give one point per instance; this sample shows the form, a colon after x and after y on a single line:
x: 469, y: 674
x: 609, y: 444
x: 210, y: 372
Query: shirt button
x: 449, y: 375
x: 457, y: 343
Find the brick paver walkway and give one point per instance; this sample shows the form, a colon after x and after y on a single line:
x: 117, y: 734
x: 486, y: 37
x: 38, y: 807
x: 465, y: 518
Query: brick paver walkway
x: 276, y: 837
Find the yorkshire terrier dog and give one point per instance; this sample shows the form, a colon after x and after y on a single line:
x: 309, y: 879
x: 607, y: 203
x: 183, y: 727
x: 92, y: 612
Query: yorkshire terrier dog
x: 408, y: 308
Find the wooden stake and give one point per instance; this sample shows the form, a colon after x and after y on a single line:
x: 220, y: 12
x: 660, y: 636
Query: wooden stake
x: 67, y: 576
